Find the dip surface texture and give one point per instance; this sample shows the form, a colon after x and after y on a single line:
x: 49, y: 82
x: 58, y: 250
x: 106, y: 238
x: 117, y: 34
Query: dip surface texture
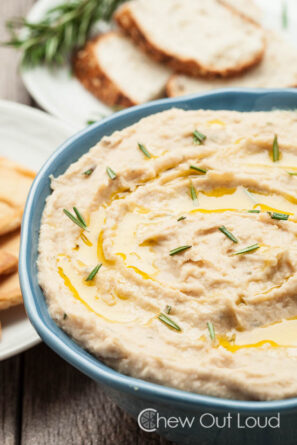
x: 192, y: 216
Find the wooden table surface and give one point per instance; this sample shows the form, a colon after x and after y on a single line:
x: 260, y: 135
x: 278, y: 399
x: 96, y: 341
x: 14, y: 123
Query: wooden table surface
x: 43, y: 400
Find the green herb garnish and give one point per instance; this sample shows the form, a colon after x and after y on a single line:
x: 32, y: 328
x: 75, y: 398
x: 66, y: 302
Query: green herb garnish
x: 254, y: 211
x: 63, y: 29
x: 76, y: 221
x: 247, y: 249
x: 64, y: 316
x: 93, y: 273
x: 275, y: 149
x: 193, y: 192
x: 80, y: 217
x: 168, y: 309
x: 292, y: 173
x: 211, y: 330
x: 89, y: 171
x: 168, y: 321
x: 285, y: 17
x: 178, y: 250
x: 228, y: 234
x: 198, y: 169
x: 198, y: 137
x: 181, y: 218
x: 279, y: 216
x: 91, y: 122
x: 111, y: 173
x: 144, y: 150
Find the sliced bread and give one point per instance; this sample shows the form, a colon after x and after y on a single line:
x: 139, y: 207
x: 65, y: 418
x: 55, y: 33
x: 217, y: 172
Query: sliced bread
x: 277, y: 70
x: 114, y: 70
x: 199, y: 38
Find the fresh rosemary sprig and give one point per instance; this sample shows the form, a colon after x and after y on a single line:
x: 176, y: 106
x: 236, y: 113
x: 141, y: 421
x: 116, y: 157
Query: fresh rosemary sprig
x: 247, y: 249
x: 80, y: 217
x: 80, y: 222
x: 178, y: 250
x: 63, y: 29
x: 111, y: 173
x: 275, y: 149
x: 144, y: 150
x: 228, y: 234
x: 198, y: 137
x: 168, y: 321
x: 279, y: 216
x: 93, y: 273
x: 198, y: 169
x: 211, y: 330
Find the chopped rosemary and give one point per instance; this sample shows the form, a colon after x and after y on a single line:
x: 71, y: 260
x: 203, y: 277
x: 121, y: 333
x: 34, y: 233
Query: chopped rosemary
x: 181, y: 218
x: 75, y: 220
x: 247, y: 249
x: 275, y: 149
x: 79, y: 217
x: 254, y: 211
x: 89, y: 171
x: 198, y: 169
x: 292, y: 173
x: 198, y: 137
x: 168, y: 309
x: 64, y: 316
x: 211, y: 330
x: 193, y: 192
x: 228, y: 234
x: 93, y: 273
x: 91, y: 122
x: 144, y: 150
x: 168, y: 321
x: 178, y: 250
x: 111, y: 173
x: 279, y: 216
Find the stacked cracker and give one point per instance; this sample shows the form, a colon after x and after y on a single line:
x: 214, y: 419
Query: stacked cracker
x: 15, y: 182
x: 183, y: 46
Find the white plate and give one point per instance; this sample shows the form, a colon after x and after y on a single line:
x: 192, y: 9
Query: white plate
x: 63, y: 96
x: 27, y: 136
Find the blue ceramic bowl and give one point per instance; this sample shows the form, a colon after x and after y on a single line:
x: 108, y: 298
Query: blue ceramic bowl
x: 217, y: 421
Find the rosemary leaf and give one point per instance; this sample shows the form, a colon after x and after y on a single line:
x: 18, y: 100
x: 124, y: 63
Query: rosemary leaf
x: 168, y: 321
x: 111, y: 173
x: 292, y: 173
x: 247, y: 249
x: 178, y: 250
x: 181, y: 218
x: 254, y: 211
x: 228, y: 234
x: 275, y: 149
x: 211, y: 330
x: 93, y: 273
x: 80, y: 217
x: 168, y: 309
x: 279, y: 216
x: 144, y: 150
x: 73, y: 219
x: 89, y: 171
x: 198, y: 137
x: 198, y: 169
x: 193, y: 192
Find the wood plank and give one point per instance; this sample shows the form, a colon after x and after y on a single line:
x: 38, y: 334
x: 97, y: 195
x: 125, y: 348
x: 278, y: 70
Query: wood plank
x: 10, y: 394
x: 62, y: 406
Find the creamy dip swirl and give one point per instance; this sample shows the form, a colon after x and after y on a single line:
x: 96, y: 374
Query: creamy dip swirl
x: 191, y: 246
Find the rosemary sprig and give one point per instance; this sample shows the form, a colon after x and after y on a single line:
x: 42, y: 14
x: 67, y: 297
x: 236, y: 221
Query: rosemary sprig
x: 63, y: 29
x: 275, y: 149
x: 193, y: 192
x: 168, y: 321
x: 89, y: 171
x: 198, y: 169
x: 228, y: 234
x: 111, y: 173
x: 279, y: 216
x: 144, y: 150
x: 198, y: 137
x: 178, y: 250
x: 80, y: 217
x: 211, y: 330
x: 181, y: 218
x: 247, y: 249
x: 76, y: 221
x: 93, y: 273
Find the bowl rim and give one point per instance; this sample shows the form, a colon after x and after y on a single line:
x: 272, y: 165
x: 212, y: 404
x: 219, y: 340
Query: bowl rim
x: 89, y: 364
